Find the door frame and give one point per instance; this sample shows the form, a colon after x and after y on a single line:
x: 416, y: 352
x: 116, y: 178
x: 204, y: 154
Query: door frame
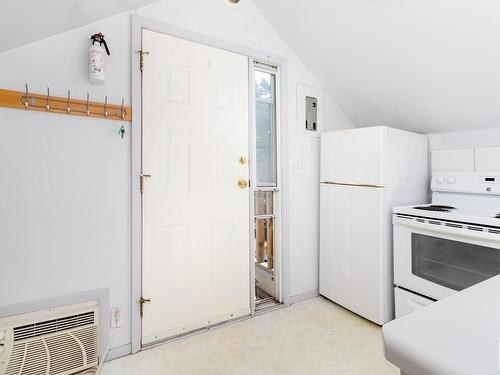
x: 140, y: 23
x: 277, y: 197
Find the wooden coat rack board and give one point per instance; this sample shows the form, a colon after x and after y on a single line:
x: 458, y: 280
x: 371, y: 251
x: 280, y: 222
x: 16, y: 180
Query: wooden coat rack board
x: 47, y: 103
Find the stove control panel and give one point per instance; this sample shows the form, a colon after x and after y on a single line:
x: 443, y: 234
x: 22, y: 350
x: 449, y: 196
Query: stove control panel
x: 466, y: 182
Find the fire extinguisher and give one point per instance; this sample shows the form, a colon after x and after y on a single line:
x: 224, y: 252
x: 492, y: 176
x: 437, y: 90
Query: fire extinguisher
x: 97, y: 73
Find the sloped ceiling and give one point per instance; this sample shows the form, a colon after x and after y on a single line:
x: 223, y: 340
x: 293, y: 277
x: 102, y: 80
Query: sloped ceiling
x: 424, y: 65
x: 26, y: 21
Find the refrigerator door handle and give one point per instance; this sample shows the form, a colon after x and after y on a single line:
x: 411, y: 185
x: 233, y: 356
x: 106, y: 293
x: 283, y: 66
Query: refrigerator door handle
x: 350, y: 184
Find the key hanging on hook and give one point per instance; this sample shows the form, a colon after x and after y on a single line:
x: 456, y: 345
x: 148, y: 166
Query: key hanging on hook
x: 121, y: 131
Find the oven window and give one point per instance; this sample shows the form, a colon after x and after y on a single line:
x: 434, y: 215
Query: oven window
x: 452, y: 264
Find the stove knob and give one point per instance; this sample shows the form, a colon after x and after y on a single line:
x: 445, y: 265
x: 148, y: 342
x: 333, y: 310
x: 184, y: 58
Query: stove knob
x: 440, y: 179
x: 451, y: 180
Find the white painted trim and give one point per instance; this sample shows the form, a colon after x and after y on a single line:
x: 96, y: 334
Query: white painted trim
x: 277, y: 196
x: 138, y: 24
x: 253, y: 178
x: 118, y: 352
x: 302, y: 297
x: 136, y: 139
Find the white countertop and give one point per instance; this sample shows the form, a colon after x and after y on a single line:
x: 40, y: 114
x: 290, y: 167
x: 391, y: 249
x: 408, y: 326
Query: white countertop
x: 458, y: 335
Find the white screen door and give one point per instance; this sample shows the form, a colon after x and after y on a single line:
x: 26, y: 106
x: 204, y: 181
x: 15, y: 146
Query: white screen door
x: 196, y: 260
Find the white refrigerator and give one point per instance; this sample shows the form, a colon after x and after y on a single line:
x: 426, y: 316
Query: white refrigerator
x: 366, y: 172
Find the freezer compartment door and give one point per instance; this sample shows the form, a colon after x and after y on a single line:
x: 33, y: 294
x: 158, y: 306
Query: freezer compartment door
x: 355, y: 261
x: 353, y: 156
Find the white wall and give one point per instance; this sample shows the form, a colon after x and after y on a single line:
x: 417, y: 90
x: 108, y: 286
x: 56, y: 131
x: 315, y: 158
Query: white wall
x: 65, y: 209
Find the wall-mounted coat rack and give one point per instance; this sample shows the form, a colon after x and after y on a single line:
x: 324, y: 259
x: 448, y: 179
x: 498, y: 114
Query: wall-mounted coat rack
x: 47, y: 103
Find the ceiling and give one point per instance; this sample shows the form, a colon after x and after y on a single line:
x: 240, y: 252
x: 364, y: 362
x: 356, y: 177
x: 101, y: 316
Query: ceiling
x: 426, y: 65
x: 27, y: 21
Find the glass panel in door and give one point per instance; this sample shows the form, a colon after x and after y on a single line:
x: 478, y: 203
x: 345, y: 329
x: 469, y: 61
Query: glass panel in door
x: 265, y: 127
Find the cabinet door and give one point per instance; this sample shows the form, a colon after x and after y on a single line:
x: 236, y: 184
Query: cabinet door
x: 487, y: 159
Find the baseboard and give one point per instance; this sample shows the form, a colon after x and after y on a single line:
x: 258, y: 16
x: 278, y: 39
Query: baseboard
x: 301, y: 297
x: 118, y: 352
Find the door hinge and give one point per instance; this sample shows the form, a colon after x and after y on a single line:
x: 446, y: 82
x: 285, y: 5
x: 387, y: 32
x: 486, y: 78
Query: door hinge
x: 141, y: 58
x: 141, y: 303
x: 143, y: 176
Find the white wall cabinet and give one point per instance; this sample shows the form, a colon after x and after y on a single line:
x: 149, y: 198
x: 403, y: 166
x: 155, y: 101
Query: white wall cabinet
x: 487, y: 159
x: 483, y: 159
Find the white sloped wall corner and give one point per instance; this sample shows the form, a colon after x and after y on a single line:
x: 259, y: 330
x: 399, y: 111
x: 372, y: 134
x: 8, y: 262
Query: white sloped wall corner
x: 66, y: 213
x: 424, y: 66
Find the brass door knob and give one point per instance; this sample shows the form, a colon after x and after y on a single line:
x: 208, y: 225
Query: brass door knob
x: 243, y: 160
x: 242, y: 184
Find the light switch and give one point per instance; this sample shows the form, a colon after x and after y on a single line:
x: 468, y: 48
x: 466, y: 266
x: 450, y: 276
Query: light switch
x: 297, y: 167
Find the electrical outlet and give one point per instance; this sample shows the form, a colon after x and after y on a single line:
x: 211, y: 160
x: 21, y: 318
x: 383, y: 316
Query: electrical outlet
x: 116, y: 317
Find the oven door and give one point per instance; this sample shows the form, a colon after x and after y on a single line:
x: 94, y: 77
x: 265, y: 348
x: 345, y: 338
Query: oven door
x: 437, y: 258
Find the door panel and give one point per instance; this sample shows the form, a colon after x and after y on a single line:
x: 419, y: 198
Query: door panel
x: 195, y: 217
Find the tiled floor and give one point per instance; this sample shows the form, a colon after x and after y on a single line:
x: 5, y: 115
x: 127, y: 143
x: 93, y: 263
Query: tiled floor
x: 313, y: 337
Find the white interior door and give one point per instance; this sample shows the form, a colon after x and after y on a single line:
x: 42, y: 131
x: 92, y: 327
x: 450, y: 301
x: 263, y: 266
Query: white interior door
x: 196, y: 268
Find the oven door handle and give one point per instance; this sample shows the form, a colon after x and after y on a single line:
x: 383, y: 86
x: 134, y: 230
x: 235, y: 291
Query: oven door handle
x: 415, y: 304
x: 463, y: 232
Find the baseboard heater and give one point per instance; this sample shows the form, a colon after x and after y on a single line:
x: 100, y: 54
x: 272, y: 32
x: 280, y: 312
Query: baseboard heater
x: 58, y: 341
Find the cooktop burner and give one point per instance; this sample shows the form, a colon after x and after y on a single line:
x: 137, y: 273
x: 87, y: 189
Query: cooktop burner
x: 437, y: 208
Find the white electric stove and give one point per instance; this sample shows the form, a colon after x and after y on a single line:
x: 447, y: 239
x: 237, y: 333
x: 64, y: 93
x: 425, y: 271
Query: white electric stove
x: 449, y: 245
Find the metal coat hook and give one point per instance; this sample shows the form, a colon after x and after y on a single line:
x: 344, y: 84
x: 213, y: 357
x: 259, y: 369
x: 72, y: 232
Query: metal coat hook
x: 26, y: 104
x: 48, y: 98
x: 68, y: 108
x: 46, y: 102
x: 122, y: 109
x: 88, y: 105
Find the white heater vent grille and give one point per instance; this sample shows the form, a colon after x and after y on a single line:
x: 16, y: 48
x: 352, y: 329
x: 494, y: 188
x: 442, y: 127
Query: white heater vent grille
x: 60, y: 345
x: 53, y: 326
